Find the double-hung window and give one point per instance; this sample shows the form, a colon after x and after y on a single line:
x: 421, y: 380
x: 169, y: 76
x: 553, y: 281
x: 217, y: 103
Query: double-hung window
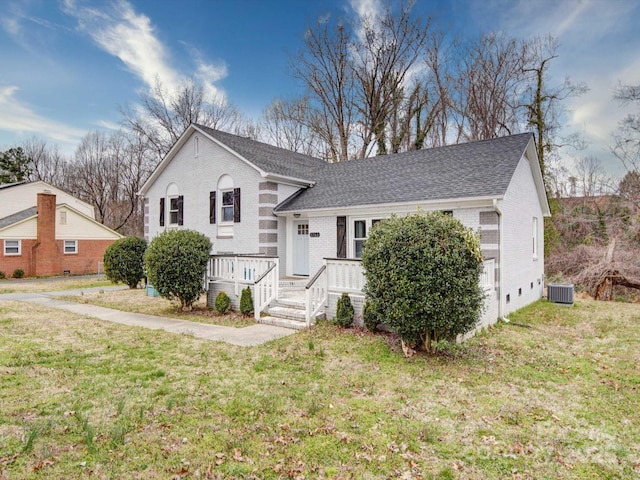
x: 174, y: 208
x: 360, y: 232
x: 12, y: 247
x: 227, y: 206
x: 70, y: 246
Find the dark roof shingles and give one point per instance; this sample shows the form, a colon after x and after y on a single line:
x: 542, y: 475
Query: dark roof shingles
x: 18, y: 216
x: 476, y: 169
x: 269, y: 158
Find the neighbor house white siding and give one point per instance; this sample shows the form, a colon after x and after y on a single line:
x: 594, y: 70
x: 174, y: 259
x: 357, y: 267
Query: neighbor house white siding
x: 522, y: 273
x: 20, y: 197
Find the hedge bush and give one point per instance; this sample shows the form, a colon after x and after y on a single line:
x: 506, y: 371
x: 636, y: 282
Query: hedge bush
x: 2, y: 275
x: 18, y: 273
x: 222, y: 303
x: 344, y: 311
x: 124, y: 261
x: 246, y: 301
x: 423, y: 277
x: 176, y: 263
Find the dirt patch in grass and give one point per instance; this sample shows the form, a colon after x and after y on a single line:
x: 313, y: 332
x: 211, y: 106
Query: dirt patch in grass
x: 85, y: 398
x: 137, y: 301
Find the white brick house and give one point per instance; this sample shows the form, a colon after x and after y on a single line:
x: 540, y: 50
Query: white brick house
x: 263, y: 207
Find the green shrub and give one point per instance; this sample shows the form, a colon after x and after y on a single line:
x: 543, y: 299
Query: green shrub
x: 124, y: 261
x: 369, y: 317
x: 2, y: 275
x: 222, y: 303
x: 18, y: 273
x: 344, y: 311
x: 176, y: 262
x: 246, y: 301
x: 423, y: 275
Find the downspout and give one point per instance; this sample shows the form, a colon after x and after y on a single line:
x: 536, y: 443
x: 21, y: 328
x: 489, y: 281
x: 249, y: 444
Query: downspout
x: 501, y: 307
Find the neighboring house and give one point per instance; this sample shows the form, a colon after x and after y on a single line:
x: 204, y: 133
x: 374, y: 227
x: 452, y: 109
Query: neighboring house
x: 43, y: 237
x: 263, y: 206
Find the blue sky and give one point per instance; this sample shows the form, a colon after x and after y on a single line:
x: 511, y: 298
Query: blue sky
x: 67, y: 65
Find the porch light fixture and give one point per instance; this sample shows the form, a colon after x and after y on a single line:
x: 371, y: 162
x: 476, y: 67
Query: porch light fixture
x: 297, y: 215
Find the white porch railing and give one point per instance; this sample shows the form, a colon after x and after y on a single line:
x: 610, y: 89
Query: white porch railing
x: 244, y: 270
x: 265, y: 289
x: 239, y: 269
x: 316, y: 294
x: 344, y: 275
x: 488, y: 275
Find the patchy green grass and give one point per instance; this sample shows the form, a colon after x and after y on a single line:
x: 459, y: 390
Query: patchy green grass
x: 137, y: 301
x: 554, y: 394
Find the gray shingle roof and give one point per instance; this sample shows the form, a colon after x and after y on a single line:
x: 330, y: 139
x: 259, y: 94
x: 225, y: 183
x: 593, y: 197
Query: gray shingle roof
x: 267, y: 157
x: 8, y: 185
x: 18, y: 216
x: 476, y: 169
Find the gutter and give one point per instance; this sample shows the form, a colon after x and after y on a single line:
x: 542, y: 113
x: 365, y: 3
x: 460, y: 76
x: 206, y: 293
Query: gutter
x: 501, y: 306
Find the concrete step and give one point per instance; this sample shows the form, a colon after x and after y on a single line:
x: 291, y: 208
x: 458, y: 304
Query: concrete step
x: 283, y: 322
x: 296, y: 301
x: 293, y: 284
x: 287, y: 312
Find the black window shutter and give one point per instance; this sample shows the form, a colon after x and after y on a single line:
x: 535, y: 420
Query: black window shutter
x: 236, y: 205
x: 162, y: 212
x: 180, y: 210
x: 212, y: 207
x: 341, y: 224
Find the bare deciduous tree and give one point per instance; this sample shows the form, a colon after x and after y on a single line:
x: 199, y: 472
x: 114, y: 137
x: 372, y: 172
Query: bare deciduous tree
x: 164, y: 115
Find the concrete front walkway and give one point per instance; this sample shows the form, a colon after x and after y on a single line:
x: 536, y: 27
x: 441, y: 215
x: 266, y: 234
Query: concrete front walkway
x: 245, y: 337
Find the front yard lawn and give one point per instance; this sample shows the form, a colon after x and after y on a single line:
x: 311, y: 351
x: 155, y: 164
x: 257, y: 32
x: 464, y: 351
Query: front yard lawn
x: 137, y: 301
x: 553, y: 394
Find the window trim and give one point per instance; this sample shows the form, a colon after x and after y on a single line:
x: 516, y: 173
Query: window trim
x: 369, y: 223
x: 223, y: 206
x: 75, y: 247
x: 19, y: 245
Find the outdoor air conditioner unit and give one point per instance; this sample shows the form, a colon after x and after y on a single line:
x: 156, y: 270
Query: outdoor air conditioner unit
x: 560, y: 293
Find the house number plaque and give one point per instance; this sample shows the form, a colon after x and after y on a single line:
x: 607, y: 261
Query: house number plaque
x: 314, y: 234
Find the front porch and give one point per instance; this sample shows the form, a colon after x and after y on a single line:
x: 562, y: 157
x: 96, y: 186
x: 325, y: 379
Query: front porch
x: 298, y: 302
x: 288, y: 302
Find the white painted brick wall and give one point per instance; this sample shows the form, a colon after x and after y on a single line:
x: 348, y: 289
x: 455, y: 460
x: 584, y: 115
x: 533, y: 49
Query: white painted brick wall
x: 519, y: 269
x: 195, y: 177
x: 325, y: 245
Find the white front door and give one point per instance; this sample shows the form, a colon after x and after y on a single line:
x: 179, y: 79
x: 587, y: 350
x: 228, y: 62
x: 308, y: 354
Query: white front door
x: 301, y: 248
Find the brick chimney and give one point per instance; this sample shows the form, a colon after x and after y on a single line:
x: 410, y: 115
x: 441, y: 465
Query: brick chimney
x: 47, y: 261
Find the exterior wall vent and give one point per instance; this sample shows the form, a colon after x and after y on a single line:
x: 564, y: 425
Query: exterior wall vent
x: 560, y: 293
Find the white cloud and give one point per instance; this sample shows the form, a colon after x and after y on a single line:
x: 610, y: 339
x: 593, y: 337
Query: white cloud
x: 131, y: 37
x: 19, y: 118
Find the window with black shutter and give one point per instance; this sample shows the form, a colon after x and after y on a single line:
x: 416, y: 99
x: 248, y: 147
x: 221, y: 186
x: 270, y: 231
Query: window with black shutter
x: 162, y: 212
x: 212, y: 207
x: 341, y: 224
x: 180, y: 210
x: 236, y: 205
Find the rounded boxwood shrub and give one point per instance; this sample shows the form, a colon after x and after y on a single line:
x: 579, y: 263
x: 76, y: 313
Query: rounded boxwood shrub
x: 222, y: 303
x: 344, y: 311
x: 423, y: 277
x: 176, y: 263
x: 124, y: 261
x: 2, y: 275
x: 369, y: 317
x: 18, y: 273
x: 246, y: 301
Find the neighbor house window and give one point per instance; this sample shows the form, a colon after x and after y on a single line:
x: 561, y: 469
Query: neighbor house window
x: 70, y: 246
x: 12, y: 247
x: 227, y: 206
x: 535, y: 237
